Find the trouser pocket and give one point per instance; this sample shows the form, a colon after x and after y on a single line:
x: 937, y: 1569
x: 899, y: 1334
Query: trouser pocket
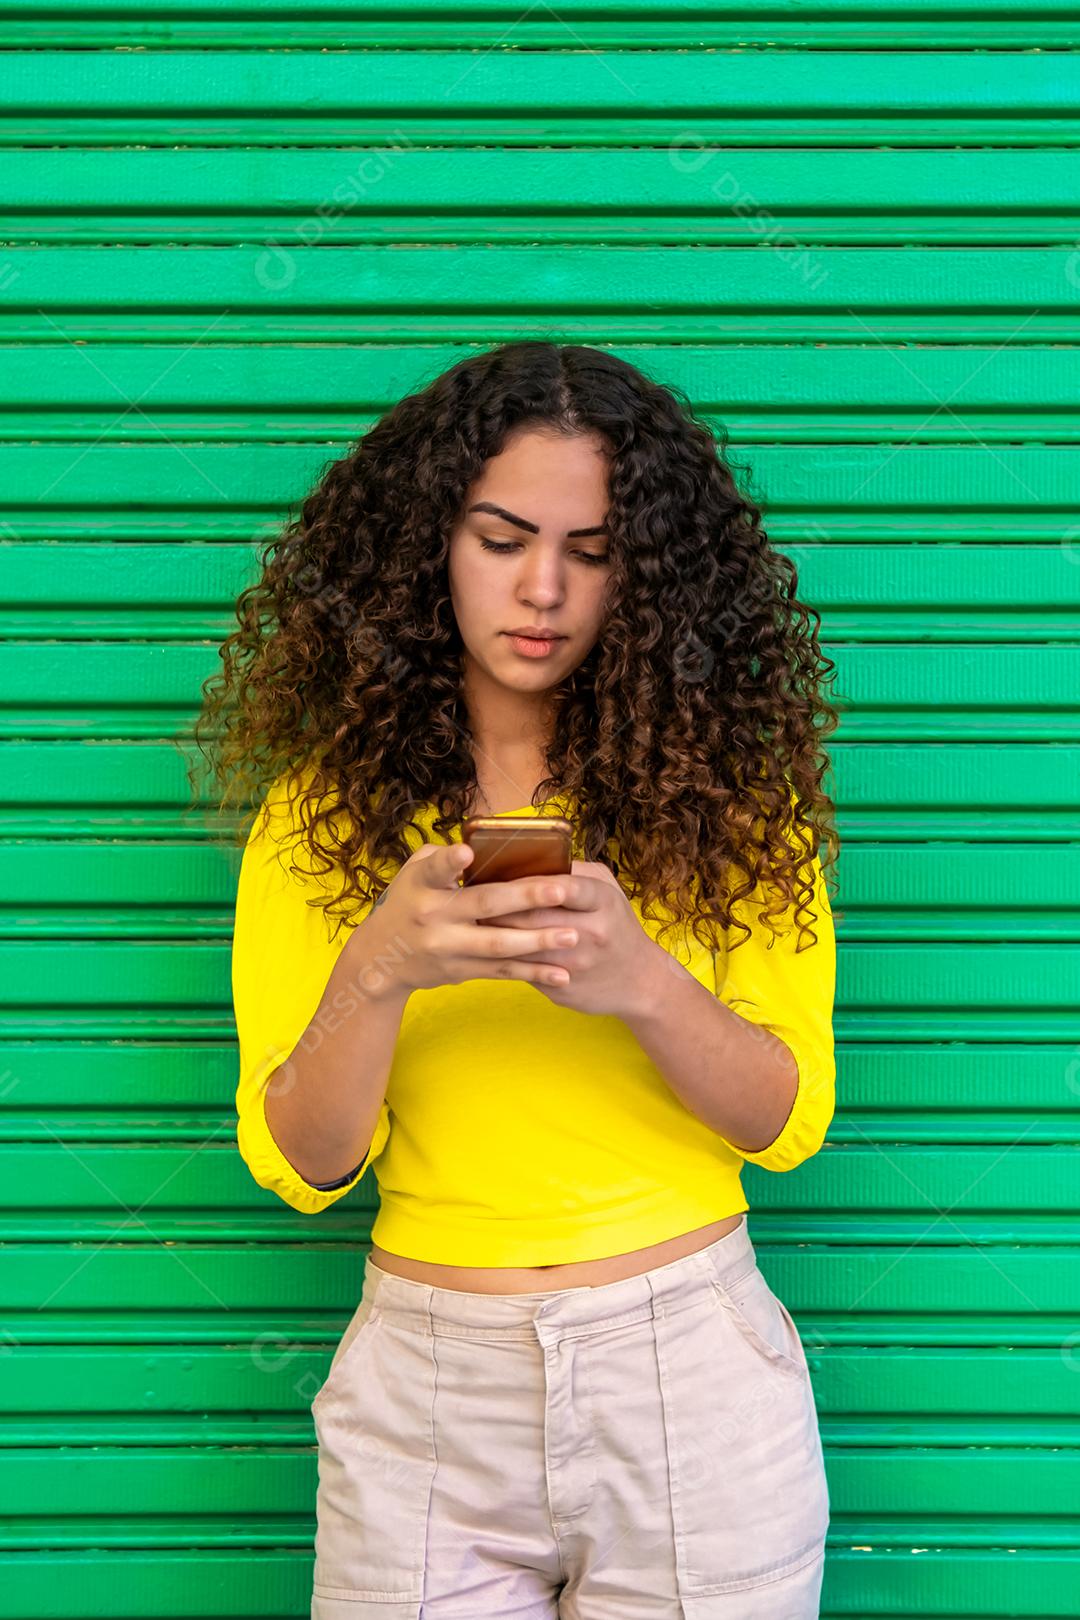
x: 374, y: 1421
x: 749, y: 1497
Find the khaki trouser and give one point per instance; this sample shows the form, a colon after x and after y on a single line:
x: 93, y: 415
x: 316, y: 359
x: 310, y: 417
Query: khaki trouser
x: 646, y: 1449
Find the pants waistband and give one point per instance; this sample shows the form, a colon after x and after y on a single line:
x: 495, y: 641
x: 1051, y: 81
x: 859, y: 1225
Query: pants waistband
x: 562, y: 1312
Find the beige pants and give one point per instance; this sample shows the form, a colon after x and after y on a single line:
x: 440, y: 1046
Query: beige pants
x: 647, y: 1449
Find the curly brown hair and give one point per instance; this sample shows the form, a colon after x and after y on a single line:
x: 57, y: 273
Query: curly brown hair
x: 690, y: 738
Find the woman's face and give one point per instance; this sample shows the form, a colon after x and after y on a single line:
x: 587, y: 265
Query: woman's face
x: 544, y: 500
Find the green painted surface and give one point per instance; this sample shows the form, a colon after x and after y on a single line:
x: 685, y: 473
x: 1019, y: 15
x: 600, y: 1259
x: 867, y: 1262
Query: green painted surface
x: 852, y: 235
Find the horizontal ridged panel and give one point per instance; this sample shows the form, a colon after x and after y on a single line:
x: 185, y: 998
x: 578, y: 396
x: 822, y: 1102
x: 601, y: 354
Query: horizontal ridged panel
x: 967, y: 791
x: 968, y: 693
x: 889, y: 1272
x: 916, y: 1177
x: 412, y: 299
x: 682, y: 194
x: 845, y: 480
x: 866, y: 594
x: 107, y: 1389
x: 615, y: 24
x: 759, y: 393
x: 945, y: 1092
x: 568, y: 100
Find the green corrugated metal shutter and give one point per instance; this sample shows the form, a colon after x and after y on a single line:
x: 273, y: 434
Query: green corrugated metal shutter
x: 233, y: 235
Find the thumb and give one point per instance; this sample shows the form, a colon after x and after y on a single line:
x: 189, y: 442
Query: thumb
x: 445, y: 863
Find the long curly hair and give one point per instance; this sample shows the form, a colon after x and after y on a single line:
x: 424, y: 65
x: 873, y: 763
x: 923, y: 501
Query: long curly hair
x: 690, y: 739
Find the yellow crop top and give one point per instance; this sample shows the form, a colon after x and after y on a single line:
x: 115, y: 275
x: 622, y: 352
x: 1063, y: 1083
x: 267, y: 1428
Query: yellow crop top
x: 486, y: 1154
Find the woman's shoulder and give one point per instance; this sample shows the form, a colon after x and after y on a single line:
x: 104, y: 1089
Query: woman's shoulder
x: 283, y: 816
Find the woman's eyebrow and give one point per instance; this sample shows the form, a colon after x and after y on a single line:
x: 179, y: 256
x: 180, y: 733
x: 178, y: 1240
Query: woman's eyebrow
x: 523, y: 523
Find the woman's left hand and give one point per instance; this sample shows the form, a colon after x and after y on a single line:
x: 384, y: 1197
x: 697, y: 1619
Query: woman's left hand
x: 614, y: 957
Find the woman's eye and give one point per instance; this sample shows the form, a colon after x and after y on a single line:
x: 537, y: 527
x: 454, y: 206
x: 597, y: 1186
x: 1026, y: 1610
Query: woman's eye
x: 510, y: 545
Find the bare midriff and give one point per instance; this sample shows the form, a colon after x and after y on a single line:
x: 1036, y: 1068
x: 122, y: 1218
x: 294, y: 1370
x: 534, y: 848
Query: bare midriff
x: 574, y: 1274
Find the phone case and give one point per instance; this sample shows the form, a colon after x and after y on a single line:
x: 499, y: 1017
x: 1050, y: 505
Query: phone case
x: 506, y: 847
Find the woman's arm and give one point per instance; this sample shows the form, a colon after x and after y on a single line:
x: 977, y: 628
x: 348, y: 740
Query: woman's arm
x: 756, y: 1060
x: 317, y: 1025
x: 323, y: 1102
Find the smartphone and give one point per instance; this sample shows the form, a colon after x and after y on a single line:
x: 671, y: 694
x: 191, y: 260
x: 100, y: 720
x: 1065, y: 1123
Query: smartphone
x: 506, y: 847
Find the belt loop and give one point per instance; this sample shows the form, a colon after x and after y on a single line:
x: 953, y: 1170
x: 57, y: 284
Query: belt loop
x: 705, y: 1262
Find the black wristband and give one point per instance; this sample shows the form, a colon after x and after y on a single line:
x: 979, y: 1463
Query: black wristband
x: 328, y: 1186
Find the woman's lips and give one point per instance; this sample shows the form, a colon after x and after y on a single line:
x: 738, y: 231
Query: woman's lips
x: 533, y: 646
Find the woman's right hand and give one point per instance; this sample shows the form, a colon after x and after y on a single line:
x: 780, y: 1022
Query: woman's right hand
x: 425, y: 931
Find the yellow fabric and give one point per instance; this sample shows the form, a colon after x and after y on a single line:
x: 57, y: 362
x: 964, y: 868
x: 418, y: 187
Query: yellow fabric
x: 515, y: 1132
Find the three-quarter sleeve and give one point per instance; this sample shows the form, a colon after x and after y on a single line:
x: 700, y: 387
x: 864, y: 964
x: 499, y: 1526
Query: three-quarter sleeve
x: 790, y: 993
x: 282, y: 958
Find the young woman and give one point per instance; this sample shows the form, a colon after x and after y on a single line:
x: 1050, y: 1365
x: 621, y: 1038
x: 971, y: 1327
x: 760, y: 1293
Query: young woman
x: 567, y: 1388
